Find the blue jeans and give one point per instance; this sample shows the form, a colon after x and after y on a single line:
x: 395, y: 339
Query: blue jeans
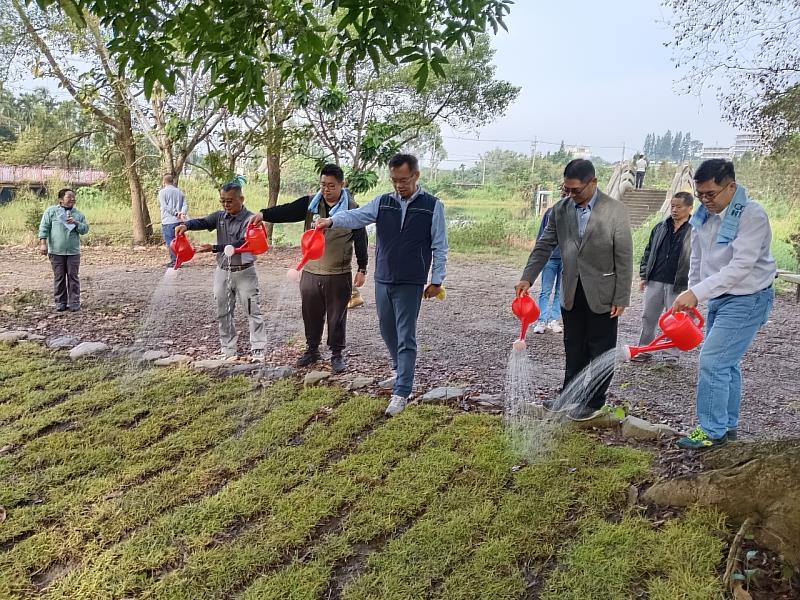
x: 398, y: 309
x: 168, y: 233
x: 551, y: 280
x: 731, y: 325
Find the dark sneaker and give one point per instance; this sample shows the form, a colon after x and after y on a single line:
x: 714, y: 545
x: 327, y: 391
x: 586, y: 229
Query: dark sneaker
x: 732, y: 435
x: 61, y: 308
x: 74, y: 308
x: 699, y: 440
x: 309, y: 358
x: 338, y: 363
x: 586, y: 413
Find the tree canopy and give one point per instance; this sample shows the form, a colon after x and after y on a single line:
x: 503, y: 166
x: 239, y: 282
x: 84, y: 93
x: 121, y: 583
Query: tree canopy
x: 155, y: 40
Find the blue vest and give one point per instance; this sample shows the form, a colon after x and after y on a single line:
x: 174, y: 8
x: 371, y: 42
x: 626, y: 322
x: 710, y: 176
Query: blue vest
x: 403, y: 254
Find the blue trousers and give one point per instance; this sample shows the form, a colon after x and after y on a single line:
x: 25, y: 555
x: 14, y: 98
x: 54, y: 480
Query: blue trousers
x: 731, y: 325
x: 398, y: 309
x: 551, y: 282
x: 168, y: 233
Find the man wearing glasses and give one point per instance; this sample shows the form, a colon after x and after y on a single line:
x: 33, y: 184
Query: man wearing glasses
x: 235, y: 277
x: 411, y: 240
x: 325, y: 284
x: 732, y: 271
x: 594, y: 235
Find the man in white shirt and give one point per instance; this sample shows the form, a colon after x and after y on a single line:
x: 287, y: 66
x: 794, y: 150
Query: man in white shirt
x: 641, y: 168
x: 173, y: 211
x: 731, y: 270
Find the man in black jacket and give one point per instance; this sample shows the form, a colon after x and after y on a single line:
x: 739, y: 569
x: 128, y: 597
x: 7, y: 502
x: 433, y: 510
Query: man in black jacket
x: 664, y: 270
x: 325, y: 284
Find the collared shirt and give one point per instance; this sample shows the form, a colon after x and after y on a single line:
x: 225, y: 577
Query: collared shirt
x: 230, y: 231
x: 668, y: 253
x: 743, y: 266
x: 368, y: 214
x: 171, y: 202
x: 583, y: 213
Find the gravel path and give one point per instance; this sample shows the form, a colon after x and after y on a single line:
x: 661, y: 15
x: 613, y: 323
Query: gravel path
x: 464, y: 341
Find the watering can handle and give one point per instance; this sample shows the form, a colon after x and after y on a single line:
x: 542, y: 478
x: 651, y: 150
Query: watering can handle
x: 700, y: 320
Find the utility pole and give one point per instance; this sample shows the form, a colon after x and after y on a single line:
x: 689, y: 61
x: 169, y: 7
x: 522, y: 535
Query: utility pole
x: 623, y: 153
x: 483, y: 178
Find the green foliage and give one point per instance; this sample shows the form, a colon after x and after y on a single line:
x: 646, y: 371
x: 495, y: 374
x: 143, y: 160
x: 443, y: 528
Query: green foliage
x: 225, y: 36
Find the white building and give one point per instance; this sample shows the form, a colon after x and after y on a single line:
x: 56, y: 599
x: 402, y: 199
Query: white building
x: 747, y: 142
x: 710, y: 152
x: 579, y: 151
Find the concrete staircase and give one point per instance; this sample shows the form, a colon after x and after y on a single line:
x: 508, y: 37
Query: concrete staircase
x: 642, y: 204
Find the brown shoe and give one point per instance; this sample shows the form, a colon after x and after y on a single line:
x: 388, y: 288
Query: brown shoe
x: 355, y: 299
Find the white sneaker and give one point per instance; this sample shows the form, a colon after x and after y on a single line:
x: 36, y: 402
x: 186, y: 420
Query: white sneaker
x: 227, y: 356
x: 396, y: 405
x: 257, y: 356
x: 540, y: 327
x: 555, y: 327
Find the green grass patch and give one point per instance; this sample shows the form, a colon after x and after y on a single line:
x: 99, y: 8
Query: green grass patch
x: 169, y: 484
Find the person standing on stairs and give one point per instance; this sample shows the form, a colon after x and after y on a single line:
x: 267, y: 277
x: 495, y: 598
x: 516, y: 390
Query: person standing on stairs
x: 641, y: 169
x: 325, y: 284
x: 550, y: 310
x: 664, y: 271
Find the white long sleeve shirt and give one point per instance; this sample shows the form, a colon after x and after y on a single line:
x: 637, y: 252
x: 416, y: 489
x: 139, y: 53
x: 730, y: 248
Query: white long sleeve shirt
x: 743, y: 266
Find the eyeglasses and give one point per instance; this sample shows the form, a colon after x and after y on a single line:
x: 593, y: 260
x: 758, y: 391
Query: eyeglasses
x: 709, y: 195
x: 402, y: 180
x: 568, y: 191
x: 329, y: 186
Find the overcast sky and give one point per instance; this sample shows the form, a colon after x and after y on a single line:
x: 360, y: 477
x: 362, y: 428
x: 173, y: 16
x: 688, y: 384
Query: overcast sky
x: 593, y: 73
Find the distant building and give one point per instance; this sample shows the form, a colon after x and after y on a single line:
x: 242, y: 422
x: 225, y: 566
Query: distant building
x: 747, y: 142
x: 710, y: 152
x: 579, y: 151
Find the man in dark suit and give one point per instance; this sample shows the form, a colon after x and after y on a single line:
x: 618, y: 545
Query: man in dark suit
x: 594, y: 235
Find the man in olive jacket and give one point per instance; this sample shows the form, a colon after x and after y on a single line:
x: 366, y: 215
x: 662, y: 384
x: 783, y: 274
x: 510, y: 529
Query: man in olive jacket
x: 594, y: 235
x: 326, y: 284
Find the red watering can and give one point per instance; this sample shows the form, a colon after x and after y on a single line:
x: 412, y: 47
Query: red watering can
x: 679, y: 330
x: 255, y: 241
x: 182, y: 249
x: 527, y: 312
x: 312, y: 246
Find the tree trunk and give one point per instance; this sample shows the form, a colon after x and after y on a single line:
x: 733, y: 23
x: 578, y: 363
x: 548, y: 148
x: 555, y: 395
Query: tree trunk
x: 273, y: 184
x: 142, y: 226
x: 759, y: 480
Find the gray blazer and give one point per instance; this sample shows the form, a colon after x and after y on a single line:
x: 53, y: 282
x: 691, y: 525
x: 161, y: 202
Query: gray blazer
x: 603, y: 259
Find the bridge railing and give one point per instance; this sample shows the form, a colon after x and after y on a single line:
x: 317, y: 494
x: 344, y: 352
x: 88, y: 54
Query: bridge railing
x: 13, y: 174
x: 682, y: 181
x: 622, y: 179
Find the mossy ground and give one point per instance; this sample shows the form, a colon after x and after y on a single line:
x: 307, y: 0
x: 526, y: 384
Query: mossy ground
x: 169, y: 484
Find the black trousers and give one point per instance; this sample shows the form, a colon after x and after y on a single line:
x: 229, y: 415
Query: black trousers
x: 66, y: 285
x: 321, y: 296
x: 587, y: 335
x: 639, y: 179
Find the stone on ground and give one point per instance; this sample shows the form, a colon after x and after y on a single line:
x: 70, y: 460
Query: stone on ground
x: 151, y: 355
x: 88, y: 349
x: 13, y: 336
x: 639, y: 429
x: 359, y: 382
x: 274, y: 373
x: 443, y: 394
x: 63, y: 341
x: 211, y: 364
x: 315, y: 377
x: 173, y: 359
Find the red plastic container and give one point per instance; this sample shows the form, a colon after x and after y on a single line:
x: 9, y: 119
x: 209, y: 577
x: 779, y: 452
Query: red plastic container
x: 679, y: 331
x: 524, y: 307
x: 182, y: 249
x: 312, y: 247
x: 255, y: 240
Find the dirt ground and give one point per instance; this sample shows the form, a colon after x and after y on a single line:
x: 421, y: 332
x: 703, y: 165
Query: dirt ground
x: 464, y: 341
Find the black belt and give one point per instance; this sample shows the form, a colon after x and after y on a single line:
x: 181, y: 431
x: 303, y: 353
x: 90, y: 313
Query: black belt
x: 235, y: 268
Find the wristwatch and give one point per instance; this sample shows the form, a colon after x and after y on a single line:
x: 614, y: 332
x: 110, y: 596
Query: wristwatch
x: 364, y: 271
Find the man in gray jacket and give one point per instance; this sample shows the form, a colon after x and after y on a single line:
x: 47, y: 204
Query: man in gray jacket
x: 664, y: 270
x: 594, y: 235
x: 172, y: 204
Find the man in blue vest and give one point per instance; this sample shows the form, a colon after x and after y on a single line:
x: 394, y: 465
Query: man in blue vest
x: 411, y: 241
